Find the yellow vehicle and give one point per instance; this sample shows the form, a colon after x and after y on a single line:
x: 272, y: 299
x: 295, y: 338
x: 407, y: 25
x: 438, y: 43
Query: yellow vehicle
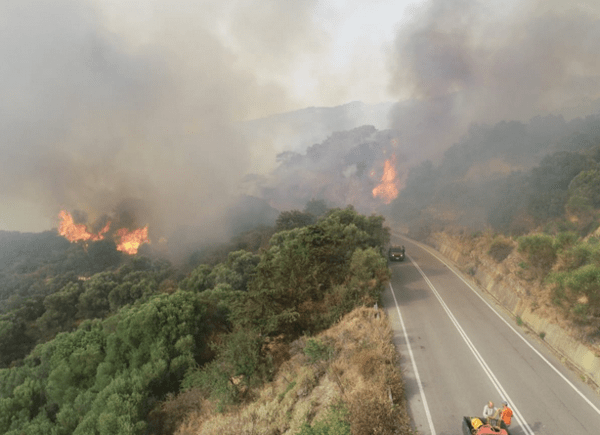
x: 475, y: 426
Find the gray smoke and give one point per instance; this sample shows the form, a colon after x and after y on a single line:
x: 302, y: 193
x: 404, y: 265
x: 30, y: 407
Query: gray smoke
x: 463, y: 61
x: 90, y: 122
x: 461, y: 69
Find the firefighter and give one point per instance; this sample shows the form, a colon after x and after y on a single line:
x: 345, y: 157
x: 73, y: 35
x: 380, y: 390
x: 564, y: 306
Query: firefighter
x: 506, y: 413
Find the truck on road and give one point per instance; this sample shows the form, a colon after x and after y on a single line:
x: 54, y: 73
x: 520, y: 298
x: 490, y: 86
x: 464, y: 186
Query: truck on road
x: 396, y: 253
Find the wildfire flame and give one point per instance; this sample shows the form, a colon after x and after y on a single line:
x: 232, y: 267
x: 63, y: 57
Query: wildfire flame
x: 130, y: 241
x: 75, y: 232
x: 127, y: 241
x: 388, y: 188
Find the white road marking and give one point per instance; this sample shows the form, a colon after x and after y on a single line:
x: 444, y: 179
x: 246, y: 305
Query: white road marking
x: 414, y: 364
x: 501, y: 391
x: 588, y: 401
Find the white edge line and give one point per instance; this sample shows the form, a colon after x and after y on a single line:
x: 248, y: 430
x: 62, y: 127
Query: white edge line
x: 589, y: 402
x: 414, y: 364
x: 495, y: 382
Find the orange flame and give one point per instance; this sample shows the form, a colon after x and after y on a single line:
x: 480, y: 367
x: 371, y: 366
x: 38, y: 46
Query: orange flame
x: 388, y: 188
x: 75, y: 232
x: 127, y: 241
x: 130, y: 241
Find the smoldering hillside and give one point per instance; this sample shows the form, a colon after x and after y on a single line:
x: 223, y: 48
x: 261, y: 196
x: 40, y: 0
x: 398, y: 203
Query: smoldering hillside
x: 341, y: 170
x: 497, y: 89
x: 488, y: 91
x: 510, y: 176
x: 94, y: 123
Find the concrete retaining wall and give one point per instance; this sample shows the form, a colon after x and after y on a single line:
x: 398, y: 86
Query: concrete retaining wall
x: 507, y: 290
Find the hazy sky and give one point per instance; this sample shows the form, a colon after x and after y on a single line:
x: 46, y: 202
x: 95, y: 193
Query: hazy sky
x: 323, y: 52
x: 108, y: 103
x: 106, y: 100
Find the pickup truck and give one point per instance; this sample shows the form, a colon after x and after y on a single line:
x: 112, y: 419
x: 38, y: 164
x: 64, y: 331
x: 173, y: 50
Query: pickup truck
x: 483, y: 429
x: 396, y: 253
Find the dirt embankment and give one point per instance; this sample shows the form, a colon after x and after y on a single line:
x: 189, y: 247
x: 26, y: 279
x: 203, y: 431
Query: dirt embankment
x: 352, y: 366
x: 501, y: 273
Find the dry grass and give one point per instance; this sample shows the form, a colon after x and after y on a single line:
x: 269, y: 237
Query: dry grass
x: 167, y: 417
x: 362, y: 372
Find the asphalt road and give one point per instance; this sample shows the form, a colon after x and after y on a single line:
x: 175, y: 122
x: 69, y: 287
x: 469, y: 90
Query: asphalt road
x: 459, y: 351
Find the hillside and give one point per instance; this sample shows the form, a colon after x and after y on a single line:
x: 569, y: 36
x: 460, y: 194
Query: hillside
x: 512, y: 177
x: 346, y: 379
x: 111, y: 352
x: 295, y: 131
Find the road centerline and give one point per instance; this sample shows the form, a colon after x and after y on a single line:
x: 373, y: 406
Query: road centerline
x: 563, y: 377
x: 497, y: 385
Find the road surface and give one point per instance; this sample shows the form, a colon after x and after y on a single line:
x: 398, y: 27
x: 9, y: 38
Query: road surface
x: 459, y: 351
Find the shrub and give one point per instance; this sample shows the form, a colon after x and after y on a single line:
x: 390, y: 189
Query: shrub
x: 334, y: 423
x: 580, y: 311
x: 240, y: 364
x: 571, y: 286
x: 540, y: 250
x: 577, y: 256
x: 167, y: 416
x: 565, y: 239
x: 500, y: 249
x: 558, y: 290
x: 586, y: 281
x: 316, y: 350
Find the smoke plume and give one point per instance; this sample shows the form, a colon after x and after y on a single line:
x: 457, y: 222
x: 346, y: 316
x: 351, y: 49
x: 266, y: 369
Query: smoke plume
x: 463, y: 61
x: 503, y: 81
x: 94, y: 122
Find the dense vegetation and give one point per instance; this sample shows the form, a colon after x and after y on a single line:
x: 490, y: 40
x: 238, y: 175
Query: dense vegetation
x: 135, y: 334
x: 513, y: 177
x: 570, y: 266
x: 345, y: 380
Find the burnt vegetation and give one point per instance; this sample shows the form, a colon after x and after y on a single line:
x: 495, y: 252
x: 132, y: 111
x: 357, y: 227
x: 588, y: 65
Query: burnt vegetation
x: 123, y: 349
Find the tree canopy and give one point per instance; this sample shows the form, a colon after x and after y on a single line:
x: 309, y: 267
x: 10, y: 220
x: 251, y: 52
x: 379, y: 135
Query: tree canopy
x: 113, y: 345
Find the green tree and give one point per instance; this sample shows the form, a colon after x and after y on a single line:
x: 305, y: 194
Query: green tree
x: 303, y: 265
x: 243, y: 263
x: 93, y: 302
x: 540, y: 250
x: 61, y: 308
x: 288, y: 220
x: 235, y: 272
x: 584, y: 194
x: 199, y: 280
x: 240, y: 363
x: 135, y: 286
x: 316, y: 207
x: 103, y: 255
x: 549, y: 183
x: 14, y: 339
